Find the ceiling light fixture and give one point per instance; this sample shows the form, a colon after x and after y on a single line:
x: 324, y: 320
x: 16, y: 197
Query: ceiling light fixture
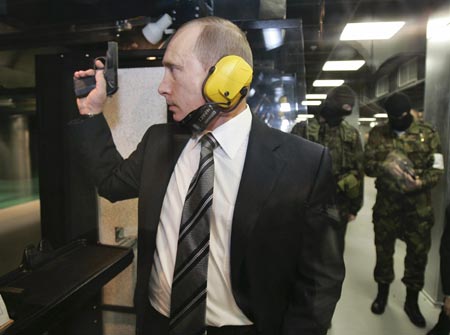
x: 153, y: 31
x: 311, y: 102
x: 367, y: 119
x: 6, y: 102
x: 328, y: 83
x: 343, y: 65
x: 316, y: 96
x: 438, y: 29
x: 381, y: 115
x: 303, y: 117
x: 273, y: 37
x: 285, y: 107
x: 371, y: 30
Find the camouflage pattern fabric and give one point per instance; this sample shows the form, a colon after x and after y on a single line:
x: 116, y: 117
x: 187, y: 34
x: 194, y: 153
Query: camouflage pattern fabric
x: 344, y: 144
x: 401, y: 220
x: 407, y: 215
x: 401, y: 170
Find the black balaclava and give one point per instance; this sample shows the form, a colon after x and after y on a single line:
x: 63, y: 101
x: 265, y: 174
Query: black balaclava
x: 396, y: 105
x: 339, y: 103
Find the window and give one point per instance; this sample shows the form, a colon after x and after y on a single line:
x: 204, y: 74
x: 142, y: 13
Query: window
x: 382, y: 87
x: 407, y: 73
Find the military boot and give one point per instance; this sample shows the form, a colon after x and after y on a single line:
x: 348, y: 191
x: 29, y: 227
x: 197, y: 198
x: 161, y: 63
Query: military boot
x: 412, y: 308
x: 380, y: 301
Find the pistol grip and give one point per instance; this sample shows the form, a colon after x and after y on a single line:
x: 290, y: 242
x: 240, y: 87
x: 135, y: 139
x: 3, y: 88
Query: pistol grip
x: 83, y: 86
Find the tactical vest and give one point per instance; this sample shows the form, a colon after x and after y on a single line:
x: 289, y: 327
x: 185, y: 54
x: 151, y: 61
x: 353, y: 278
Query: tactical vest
x: 341, y: 142
x: 340, y: 150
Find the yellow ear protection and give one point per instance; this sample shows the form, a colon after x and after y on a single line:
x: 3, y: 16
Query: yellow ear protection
x: 228, y: 82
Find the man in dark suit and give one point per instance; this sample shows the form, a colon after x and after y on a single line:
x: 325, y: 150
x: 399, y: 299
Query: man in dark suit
x: 275, y: 266
x: 442, y: 327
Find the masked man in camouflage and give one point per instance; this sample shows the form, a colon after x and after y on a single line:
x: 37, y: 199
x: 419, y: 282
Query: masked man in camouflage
x: 344, y: 143
x: 405, y: 158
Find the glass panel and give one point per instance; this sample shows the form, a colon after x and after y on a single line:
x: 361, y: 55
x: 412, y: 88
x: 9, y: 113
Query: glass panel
x: 278, y: 85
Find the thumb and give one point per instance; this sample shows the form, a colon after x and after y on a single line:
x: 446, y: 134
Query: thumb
x: 100, y: 79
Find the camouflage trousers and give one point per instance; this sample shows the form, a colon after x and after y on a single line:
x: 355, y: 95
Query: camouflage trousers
x: 414, y: 228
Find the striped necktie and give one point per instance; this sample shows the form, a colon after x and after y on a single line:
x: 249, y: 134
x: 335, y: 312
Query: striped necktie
x: 189, y: 287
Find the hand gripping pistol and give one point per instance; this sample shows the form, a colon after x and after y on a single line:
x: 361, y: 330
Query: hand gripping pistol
x: 83, y: 86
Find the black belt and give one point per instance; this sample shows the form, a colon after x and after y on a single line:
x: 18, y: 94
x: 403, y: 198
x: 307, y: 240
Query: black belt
x: 231, y: 330
x: 156, y: 323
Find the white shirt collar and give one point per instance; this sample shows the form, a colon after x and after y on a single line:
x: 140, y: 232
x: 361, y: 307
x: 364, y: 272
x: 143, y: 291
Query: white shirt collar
x: 234, y: 132
x: 231, y: 134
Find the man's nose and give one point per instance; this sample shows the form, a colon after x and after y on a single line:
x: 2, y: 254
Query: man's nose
x: 164, y: 87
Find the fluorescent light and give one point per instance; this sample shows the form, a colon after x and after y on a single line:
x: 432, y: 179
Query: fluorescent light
x: 367, y: 119
x: 311, y: 102
x: 7, y: 102
x: 438, y: 29
x: 273, y: 38
x: 302, y: 117
x: 381, y: 115
x: 370, y: 30
x: 343, y: 65
x: 316, y: 96
x: 328, y: 83
x: 151, y: 58
x: 285, y: 107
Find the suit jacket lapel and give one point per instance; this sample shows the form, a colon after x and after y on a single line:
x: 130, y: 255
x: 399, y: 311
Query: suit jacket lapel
x: 165, y: 146
x: 170, y: 150
x: 261, y: 170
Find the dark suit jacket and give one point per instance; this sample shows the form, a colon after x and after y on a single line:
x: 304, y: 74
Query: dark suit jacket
x: 286, y: 260
x: 445, y: 254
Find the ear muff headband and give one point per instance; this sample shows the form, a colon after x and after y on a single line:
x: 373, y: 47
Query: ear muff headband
x: 228, y: 82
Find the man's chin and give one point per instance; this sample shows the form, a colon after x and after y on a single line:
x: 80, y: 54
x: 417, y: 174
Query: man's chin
x: 177, y: 115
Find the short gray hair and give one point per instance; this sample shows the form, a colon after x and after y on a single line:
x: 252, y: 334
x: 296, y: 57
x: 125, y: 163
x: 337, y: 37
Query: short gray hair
x: 218, y: 38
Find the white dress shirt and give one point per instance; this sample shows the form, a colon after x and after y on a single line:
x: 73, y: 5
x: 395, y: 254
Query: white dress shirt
x: 229, y: 157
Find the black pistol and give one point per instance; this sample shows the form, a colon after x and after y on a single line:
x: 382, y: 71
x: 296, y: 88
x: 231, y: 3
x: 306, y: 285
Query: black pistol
x: 82, y: 86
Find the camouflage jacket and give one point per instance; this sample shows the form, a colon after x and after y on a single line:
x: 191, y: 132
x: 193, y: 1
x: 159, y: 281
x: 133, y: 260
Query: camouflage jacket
x: 344, y: 144
x: 420, y: 143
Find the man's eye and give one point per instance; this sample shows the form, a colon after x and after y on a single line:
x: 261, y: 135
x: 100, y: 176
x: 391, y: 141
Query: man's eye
x: 170, y: 68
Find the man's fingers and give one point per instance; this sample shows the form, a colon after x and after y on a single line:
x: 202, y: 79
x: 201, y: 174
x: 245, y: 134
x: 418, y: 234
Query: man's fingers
x: 397, y: 168
x: 100, y: 79
x: 90, y: 72
x: 87, y: 73
x: 409, y: 178
x: 99, y: 64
